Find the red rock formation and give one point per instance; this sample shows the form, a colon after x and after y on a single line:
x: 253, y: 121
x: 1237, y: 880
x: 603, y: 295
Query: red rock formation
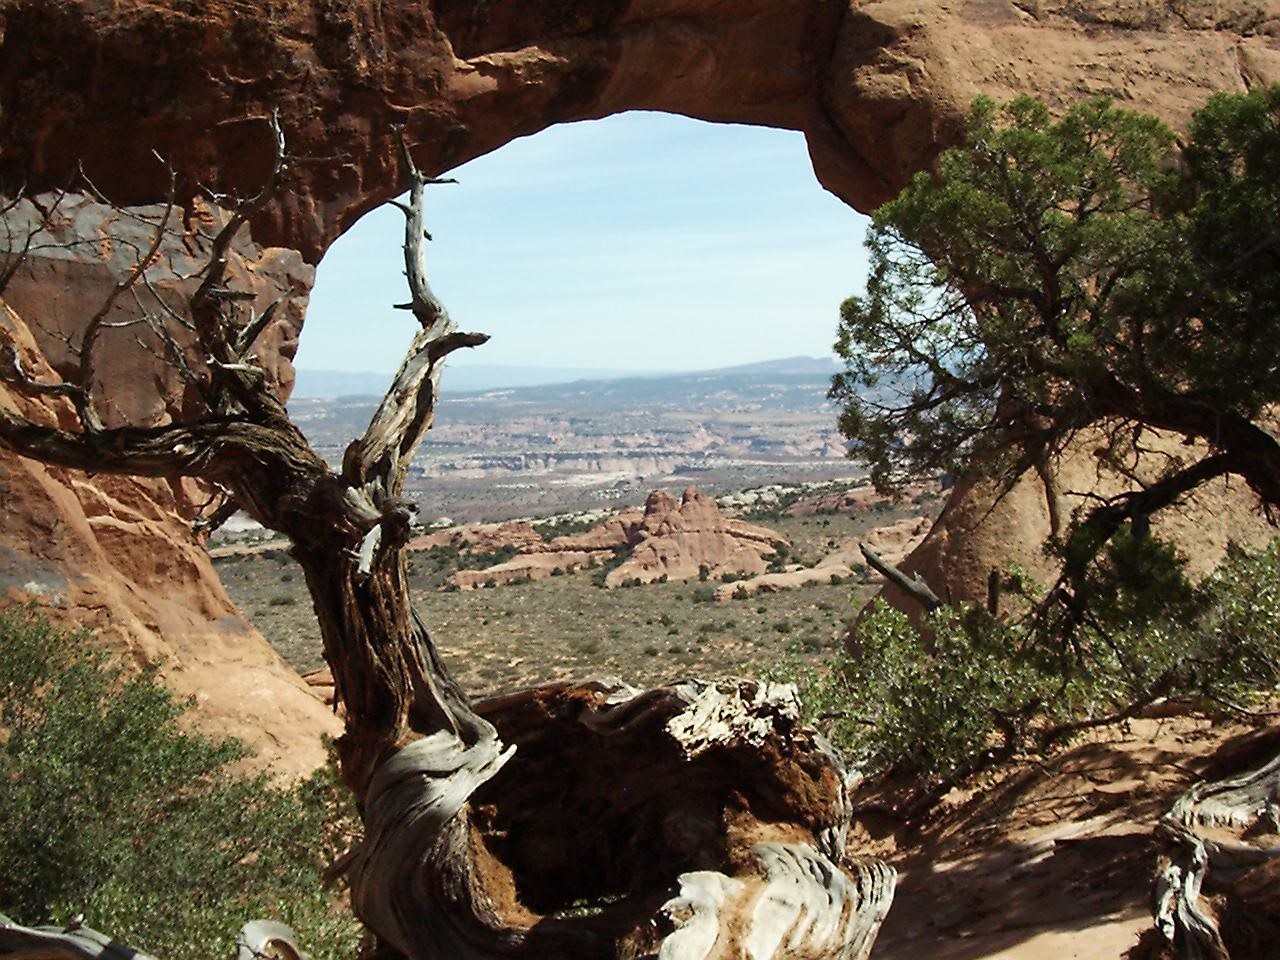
x: 858, y: 500
x: 892, y: 543
x: 678, y: 538
x: 526, y: 567
x: 608, y: 535
x: 675, y: 539
x: 482, y: 537
x: 981, y: 529
x: 876, y: 86
x: 116, y: 556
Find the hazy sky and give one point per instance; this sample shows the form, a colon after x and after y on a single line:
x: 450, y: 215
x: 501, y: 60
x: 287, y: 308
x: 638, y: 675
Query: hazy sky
x: 643, y: 241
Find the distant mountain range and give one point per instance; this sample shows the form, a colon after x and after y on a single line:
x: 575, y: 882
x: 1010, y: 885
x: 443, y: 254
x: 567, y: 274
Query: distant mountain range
x: 475, y: 379
x: 520, y: 448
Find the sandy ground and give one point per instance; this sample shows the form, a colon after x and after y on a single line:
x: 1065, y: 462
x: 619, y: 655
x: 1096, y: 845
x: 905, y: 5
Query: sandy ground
x: 1054, y: 860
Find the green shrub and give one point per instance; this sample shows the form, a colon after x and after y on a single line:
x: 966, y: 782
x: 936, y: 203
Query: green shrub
x: 619, y: 557
x: 112, y: 811
x: 975, y: 689
x: 704, y: 594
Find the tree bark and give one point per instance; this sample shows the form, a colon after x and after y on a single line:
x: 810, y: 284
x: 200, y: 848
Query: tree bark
x: 1217, y: 886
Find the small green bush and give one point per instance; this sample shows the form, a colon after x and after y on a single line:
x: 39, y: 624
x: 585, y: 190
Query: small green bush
x: 619, y: 557
x: 976, y: 687
x: 111, y: 810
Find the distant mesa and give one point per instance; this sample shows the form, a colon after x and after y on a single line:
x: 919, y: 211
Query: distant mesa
x: 670, y: 538
x: 458, y: 379
x: 313, y: 383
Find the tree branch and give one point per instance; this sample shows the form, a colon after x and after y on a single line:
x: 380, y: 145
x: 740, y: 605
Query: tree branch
x: 915, y: 587
x: 90, y: 419
x: 383, y: 454
x: 191, y: 449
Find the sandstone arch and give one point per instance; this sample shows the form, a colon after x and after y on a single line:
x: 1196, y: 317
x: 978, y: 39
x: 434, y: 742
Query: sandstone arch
x: 876, y: 87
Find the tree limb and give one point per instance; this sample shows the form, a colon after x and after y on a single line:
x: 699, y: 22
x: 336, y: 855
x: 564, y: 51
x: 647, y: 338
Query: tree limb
x: 915, y: 587
x: 90, y: 419
x: 73, y: 942
x: 383, y: 454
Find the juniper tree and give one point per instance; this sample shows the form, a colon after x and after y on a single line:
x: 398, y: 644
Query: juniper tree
x: 1053, y: 275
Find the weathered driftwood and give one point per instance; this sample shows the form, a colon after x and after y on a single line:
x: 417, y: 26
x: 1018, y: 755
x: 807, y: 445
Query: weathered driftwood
x: 692, y: 821
x: 1221, y: 841
x: 259, y: 938
x: 915, y: 587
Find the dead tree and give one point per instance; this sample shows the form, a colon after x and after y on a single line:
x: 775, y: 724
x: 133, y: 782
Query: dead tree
x: 698, y: 820
x: 1216, y: 882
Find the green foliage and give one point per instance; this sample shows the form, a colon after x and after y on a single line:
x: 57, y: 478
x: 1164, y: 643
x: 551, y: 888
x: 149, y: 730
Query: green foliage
x: 602, y: 572
x: 112, y: 811
x: 972, y: 689
x: 564, y: 526
x: 1053, y: 275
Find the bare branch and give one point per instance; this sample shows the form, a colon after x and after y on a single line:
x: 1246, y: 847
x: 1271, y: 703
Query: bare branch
x: 85, y: 408
x: 244, y: 211
x: 915, y: 587
x: 12, y: 373
x: 406, y: 412
x: 233, y: 383
x: 194, y: 449
x: 207, y: 523
x: 74, y: 942
x: 426, y: 306
x: 253, y: 329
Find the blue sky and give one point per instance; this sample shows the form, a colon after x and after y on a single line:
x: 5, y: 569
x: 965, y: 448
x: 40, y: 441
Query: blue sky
x: 640, y: 242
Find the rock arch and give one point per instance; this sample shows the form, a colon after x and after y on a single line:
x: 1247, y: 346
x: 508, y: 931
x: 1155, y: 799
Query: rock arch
x: 876, y: 86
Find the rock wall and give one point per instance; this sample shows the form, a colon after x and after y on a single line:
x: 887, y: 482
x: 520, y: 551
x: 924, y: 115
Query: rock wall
x: 982, y: 528
x: 876, y: 86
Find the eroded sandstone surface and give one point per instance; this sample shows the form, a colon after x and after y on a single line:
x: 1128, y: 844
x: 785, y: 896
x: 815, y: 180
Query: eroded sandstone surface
x: 670, y: 538
x: 128, y: 89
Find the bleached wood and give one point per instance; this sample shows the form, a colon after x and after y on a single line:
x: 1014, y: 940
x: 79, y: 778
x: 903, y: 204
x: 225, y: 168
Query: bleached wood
x: 1204, y: 834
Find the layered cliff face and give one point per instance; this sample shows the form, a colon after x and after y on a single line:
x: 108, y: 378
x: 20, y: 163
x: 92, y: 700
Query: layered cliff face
x: 877, y: 87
